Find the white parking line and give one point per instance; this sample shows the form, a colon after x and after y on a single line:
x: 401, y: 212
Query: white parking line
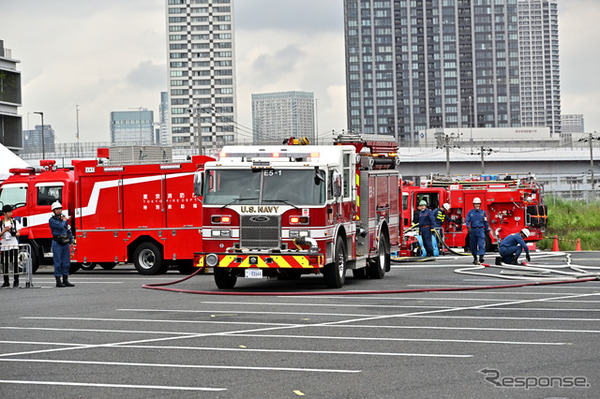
x: 183, y: 366
x: 89, y: 384
x: 361, y: 338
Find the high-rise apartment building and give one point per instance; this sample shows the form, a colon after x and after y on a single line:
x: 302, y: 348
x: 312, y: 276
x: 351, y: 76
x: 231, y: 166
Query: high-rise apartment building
x: 11, y: 124
x: 201, y: 67
x: 539, y: 63
x: 132, y: 127
x: 418, y: 64
x: 571, y: 124
x: 278, y: 116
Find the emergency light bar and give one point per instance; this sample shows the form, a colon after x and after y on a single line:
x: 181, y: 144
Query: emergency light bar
x: 278, y: 155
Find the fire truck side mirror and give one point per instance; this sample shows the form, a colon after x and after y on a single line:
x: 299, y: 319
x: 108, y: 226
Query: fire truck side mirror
x: 198, y: 184
x: 319, y: 176
x: 337, y: 184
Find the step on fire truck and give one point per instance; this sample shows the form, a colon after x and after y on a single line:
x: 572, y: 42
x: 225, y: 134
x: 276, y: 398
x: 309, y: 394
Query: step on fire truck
x: 288, y: 210
x: 146, y: 214
x: 511, y: 203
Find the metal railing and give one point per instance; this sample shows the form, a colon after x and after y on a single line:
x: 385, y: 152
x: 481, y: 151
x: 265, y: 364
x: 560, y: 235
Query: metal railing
x: 17, y: 262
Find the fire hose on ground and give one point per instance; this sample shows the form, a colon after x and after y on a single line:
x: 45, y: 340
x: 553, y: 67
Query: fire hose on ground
x: 543, y: 274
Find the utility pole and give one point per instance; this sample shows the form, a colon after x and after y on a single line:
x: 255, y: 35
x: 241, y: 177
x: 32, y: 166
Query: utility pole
x: 77, y: 135
x: 592, y: 160
x: 482, y: 161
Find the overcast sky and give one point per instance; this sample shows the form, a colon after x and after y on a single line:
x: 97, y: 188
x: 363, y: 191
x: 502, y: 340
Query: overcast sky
x: 110, y: 55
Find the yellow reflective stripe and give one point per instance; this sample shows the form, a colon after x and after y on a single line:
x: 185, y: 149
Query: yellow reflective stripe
x: 226, y: 261
x: 281, y: 262
x: 302, y: 261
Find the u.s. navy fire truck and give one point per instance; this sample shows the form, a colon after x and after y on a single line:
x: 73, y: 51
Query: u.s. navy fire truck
x: 511, y: 203
x: 146, y: 214
x: 288, y: 210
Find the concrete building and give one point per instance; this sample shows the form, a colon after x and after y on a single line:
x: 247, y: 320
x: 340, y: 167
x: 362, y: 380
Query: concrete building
x: 539, y: 64
x: 11, y: 124
x: 279, y: 116
x: 502, y: 137
x: 415, y: 65
x: 572, y: 126
x: 32, y: 140
x: 132, y: 127
x: 201, y: 68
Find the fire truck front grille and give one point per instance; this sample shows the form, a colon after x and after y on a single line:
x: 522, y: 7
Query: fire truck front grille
x: 260, y: 231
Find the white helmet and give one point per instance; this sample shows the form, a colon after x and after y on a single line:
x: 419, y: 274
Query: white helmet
x: 446, y: 206
x: 476, y: 200
x: 56, y: 205
x: 526, y: 232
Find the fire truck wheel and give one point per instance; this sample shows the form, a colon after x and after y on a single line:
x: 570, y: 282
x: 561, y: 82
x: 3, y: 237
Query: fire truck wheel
x: 147, y: 258
x: 334, y: 273
x: 224, y: 277
x: 87, y: 266
x: 382, y: 261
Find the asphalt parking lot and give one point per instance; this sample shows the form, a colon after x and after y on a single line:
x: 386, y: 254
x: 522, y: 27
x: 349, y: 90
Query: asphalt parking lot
x: 109, y: 337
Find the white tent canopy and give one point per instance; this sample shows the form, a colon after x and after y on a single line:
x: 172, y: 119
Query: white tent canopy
x: 9, y: 160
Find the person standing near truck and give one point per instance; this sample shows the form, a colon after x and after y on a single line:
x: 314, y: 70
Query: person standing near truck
x: 10, y: 246
x: 426, y: 223
x: 478, y: 227
x: 61, y: 249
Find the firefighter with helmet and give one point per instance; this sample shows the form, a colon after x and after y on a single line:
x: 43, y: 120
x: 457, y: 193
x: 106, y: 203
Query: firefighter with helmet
x: 61, y: 238
x: 511, y: 247
x: 440, y: 215
x: 478, y: 228
x: 426, y: 223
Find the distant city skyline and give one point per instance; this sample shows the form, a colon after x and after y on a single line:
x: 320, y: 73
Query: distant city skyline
x: 107, y: 62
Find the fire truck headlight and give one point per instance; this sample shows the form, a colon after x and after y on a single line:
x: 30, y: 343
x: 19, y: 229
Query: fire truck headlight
x: 220, y: 233
x: 211, y: 260
x: 299, y: 233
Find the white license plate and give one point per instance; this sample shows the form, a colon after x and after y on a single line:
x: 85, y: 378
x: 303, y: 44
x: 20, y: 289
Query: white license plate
x: 254, y: 273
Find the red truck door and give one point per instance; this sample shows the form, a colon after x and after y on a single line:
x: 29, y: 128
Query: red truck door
x: 100, y: 202
x: 143, y: 201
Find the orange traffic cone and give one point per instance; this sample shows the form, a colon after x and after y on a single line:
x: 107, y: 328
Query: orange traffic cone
x: 578, y: 246
x: 555, y: 246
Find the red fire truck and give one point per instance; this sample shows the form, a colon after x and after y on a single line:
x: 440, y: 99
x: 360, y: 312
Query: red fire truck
x: 511, y: 203
x: 145, y: 214
x: 288, y: 210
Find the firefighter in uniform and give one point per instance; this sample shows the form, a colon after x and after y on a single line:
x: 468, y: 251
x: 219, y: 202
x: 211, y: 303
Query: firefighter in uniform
x: 61, y: 252
x: 426, y: 223
x: 440, y: 215
x: 478, y: 227
x: 512, y: 246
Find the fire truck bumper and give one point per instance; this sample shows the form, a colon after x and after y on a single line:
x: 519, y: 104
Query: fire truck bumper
x: 259, y: 260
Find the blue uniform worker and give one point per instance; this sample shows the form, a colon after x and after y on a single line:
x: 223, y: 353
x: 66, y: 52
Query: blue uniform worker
x: 61, y: 252
x: 426, y: 223
x: 478, y: 227
x: 440, y: 215
x: 512, y: 246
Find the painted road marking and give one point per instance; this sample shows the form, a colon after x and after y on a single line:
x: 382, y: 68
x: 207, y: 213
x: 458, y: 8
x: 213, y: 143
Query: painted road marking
x: 184, y: 366
x: 88, y: 384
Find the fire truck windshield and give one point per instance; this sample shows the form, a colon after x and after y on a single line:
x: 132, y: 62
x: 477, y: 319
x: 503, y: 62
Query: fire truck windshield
x: 13, y: 194
x: 289, y: 186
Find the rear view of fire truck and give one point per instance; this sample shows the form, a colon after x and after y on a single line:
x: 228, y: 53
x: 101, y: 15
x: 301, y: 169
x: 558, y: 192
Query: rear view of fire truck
x: 288, y: 210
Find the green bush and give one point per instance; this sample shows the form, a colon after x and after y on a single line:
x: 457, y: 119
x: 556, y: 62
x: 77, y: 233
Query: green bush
x: 570, y: 220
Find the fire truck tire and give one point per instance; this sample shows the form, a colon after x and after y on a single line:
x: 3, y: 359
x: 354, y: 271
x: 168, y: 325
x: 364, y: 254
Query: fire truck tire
x: 334, y: 273
x: 107, y: 265
x: 224, y: 277
x: 382, y: 261
x: 147, y: 258
x: 87, y: 266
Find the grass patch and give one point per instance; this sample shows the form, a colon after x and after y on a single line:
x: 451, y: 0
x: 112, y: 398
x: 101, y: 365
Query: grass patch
x: 570, y: 220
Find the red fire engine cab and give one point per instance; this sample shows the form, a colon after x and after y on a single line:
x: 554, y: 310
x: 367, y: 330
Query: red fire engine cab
x: 288, y: 210
x: 145, y: 214
x: 511, y: 203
